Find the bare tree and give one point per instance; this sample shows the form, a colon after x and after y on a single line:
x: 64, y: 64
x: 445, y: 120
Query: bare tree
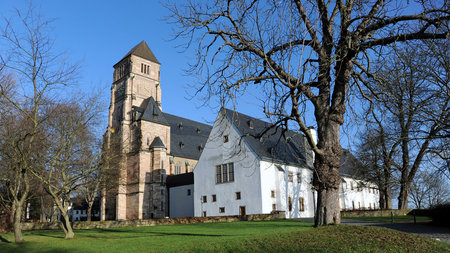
x: 376, y: 153
x: 411, y: 107
x: 70, y: 144
x: 27, y: 54
x: 300, y: 54
x: 429, y: 189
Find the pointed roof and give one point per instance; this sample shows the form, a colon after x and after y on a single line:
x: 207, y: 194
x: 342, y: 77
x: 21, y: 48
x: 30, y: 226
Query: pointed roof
x: 152, y: 113
x: 157, y: 143
x: 142, y: 50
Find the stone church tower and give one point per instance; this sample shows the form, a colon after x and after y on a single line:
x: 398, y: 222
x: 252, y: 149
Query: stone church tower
x: 141, y: 163
x: 144, y: 144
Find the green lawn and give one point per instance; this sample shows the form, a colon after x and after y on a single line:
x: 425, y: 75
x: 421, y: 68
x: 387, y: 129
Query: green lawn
x: 267, y: 236
x: 397, y: 219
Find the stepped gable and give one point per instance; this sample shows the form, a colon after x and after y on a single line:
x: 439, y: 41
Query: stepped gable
x: 272, y: 146
x: 152, y: 112
x: 142, y: 50
x: 187, y: 137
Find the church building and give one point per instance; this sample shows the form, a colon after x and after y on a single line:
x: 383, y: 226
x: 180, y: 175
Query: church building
x: 147, y: 144
x: 236, y: 173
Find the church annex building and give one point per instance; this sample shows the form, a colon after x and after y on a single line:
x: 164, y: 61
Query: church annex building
x: 170, y: 166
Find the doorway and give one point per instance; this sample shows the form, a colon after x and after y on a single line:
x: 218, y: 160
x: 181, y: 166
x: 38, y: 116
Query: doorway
x: 242, y: 211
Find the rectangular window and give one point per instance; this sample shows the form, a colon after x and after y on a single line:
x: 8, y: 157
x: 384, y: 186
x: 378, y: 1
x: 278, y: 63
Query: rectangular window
x: 290, y: 203
x: 274, y: 207
x: 213, y: 198
x: 301, y: 204
x: 142, y: 67
x: 370, y: 205
x: 290, y: 176
x: 224, y: 173
x: 225, y: 138
x: 218, y: 174
x: 353, y: 205
x: 189, y: 192
x: 231, y: 172
x: 177, y: 169
x: 272, y: 194
x: 299, y: 178
x: 204, y: 214
x: 351, y: 185
x: 238, y: 195
x: 221, y: 209
x: 204, y: 199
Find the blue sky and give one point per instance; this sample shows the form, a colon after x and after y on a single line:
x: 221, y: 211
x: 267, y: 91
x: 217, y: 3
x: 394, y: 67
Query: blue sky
x: 98, y: 33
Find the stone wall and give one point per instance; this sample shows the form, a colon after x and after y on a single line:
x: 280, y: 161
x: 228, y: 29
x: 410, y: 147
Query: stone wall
x: 374, y: 213
x: 152, y: 222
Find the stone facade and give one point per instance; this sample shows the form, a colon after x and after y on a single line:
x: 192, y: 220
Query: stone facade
x: 139, y: 138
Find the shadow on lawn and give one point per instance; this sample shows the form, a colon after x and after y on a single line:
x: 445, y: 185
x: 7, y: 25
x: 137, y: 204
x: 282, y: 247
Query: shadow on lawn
x: 4, y: 240
x: 106, y: 233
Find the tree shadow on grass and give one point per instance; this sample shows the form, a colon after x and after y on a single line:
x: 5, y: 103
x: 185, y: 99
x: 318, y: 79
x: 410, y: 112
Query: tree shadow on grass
x: 109, y: 234
x: 4, y: 240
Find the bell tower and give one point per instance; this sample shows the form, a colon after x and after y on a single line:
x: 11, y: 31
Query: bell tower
x: 136, y: 78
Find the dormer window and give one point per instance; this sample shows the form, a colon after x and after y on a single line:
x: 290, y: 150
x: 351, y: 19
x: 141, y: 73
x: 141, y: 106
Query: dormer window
x: 250, y: 124
x: 180, y: 125
x: 200, y: 148
x: 198, y: 130
x: 225, y: 138
x: 181, y: 144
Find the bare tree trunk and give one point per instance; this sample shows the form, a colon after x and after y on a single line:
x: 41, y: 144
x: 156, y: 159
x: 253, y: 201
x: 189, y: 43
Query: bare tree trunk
x: 328, y: 211
x: 403, y: 197
x: 67, y: 227
x: 89, y: 211
x: 18, y: 222
x: 326, y: 176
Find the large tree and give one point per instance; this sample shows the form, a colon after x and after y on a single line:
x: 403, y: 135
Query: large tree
x: 27, y: 55
x: 300, y: 54
x: 412, y: 107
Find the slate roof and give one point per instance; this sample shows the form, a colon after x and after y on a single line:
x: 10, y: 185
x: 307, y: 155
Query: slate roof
x: 187, y: 137
x: 350, y: 165
x: 291, y: 149
x: 152, y: 112
x: 180, y: 179
x: 157, y: 143
x: 142, y: 50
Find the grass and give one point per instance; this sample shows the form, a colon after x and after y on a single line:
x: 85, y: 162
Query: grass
x: 267, y: 236
x: 397, y: 219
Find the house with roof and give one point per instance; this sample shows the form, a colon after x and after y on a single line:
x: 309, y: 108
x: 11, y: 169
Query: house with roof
x: 243, y: 172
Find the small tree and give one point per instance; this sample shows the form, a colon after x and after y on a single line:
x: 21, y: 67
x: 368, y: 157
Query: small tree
x: 68, y: 160
x: 429, y: 189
